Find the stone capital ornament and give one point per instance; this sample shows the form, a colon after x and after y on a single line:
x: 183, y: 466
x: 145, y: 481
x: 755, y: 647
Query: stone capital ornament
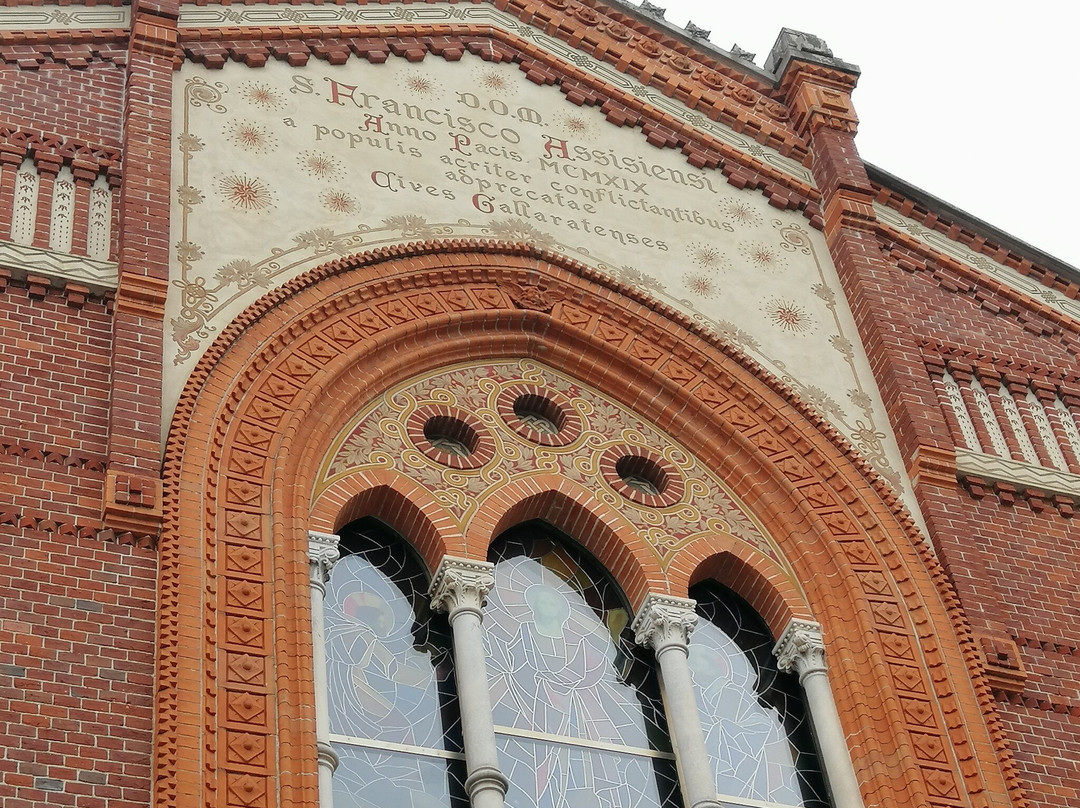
x: 801, y: 648
x: 323, y: 554
x: 665, y: 621
x: 461, y: 585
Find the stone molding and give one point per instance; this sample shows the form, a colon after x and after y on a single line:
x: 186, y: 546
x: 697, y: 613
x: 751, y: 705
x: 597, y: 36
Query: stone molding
x: 98, y: 276
x: 323, y: 554
x: 64, y: 17
x: 460, y: 584
x: 991, y: 468
x: 665, y: 620
x: 801, y: 648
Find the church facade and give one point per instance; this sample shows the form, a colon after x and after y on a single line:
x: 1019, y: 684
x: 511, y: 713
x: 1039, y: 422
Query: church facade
x: 512, y: 402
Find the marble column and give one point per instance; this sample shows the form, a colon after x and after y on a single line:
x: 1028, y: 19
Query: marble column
x: 664, y: 623
x: 322, y: 555
x: 802, y: 649
x: 459, y: 588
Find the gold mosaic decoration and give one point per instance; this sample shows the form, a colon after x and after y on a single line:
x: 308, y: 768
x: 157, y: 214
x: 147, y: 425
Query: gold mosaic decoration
x: 378, y: 438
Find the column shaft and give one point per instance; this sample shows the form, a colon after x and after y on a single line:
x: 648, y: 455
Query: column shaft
x: 322, y: 555
x: 665, y: 623
x: 801, y: 648
x: 459, y: 587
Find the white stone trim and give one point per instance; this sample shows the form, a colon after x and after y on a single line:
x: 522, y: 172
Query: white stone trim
x: 21, y: 259
x: 53, y: 18
x: 801, y: 648
x: 1025, y: 475
x: 322, y: 555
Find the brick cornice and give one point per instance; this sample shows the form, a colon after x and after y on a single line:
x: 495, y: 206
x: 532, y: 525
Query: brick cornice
x: 142, y: 295
x: 336, y: 45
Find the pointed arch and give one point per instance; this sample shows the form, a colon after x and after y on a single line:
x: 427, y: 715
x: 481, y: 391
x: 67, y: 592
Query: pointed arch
x: 263, y: 403
x: 572, y: 509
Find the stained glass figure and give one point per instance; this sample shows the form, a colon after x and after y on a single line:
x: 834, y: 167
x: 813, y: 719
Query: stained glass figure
x: 393, y: 708
x: 577, y: 711
x: 756, y: 731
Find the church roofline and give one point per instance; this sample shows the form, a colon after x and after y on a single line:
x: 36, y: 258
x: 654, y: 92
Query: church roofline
x: 957, y: 216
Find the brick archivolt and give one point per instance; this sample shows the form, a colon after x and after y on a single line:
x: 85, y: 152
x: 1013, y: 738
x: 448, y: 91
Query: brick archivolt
x: 267, y: 401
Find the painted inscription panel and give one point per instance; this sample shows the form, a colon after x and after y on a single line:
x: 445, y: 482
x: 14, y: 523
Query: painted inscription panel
x: 281, y: 169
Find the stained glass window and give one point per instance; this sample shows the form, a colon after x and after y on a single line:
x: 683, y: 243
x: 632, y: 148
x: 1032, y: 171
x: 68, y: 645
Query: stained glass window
x: 757, y: 734
x: 393, y: 709
x: 577, y: 711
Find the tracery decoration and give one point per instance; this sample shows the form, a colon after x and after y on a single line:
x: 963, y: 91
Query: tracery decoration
x: 393, y: 710
x: 577, y: 711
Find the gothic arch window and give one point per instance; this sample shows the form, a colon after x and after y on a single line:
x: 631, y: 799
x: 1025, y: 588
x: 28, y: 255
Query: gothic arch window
x: 757, y: 735
x: 578, y: 717
x: 392, y: 698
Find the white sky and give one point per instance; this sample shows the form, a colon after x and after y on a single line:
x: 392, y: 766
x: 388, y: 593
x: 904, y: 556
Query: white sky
x: 974, y: 102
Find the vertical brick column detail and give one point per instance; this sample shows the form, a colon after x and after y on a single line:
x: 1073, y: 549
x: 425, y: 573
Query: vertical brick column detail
x: 9, y: 166
x: 133, y: 483
x: 47, y: 170
x: 85, y: 174
x: 991, y: 381
x: 818, y: 93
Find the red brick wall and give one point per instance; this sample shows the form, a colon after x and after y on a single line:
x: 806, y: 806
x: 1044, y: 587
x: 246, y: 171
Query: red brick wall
x: 77, y: 620
x: 80, y: 104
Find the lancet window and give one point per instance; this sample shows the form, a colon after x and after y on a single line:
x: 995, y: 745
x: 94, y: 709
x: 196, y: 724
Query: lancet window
x: 393, y: 713
x: 757, y: 735
x: 575, y: 708
x: 578, y: 717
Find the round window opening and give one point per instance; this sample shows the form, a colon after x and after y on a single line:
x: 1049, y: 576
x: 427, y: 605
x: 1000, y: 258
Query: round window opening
x: 641, y: 474
x: 451, y: 435
x: 539, y: 413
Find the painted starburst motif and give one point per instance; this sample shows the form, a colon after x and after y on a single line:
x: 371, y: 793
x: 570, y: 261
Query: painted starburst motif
x: 421, y: 85
x: 576, y: 124
x: 701, y: 285
x: 320, y: 165
x: 339, y: 202
x: 708, y: 257
x: 246, y: 193
x: 250, y: 136
x: 262, y: 95
x: 788, y: 316
x: 495, y: 82
x: 743, y: 213
x: 763, y: 256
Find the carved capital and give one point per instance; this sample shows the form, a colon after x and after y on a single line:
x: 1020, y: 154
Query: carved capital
x: 323, y: 553
x: 460, y: 584
x: 801, y: 648
x: 664, y: 621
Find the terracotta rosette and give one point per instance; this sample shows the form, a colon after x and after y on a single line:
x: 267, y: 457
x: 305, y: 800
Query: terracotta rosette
x: 456, y: 424
x: 625, y: 459
x: 549, y: 404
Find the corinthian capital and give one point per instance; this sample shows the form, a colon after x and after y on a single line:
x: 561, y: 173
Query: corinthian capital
x: 801, y: 648
x: 460, y: 584
x: 664, y: 620
x: 322, y: 555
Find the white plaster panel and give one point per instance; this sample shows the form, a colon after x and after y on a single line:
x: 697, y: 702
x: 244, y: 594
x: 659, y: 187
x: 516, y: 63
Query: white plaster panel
x: 50, y: 18
x: 281, y: 169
